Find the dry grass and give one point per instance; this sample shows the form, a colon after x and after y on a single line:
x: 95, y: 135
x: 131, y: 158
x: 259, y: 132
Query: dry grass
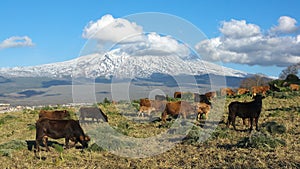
x: 225, y: 148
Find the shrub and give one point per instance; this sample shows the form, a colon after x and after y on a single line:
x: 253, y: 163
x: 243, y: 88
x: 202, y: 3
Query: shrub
x: 273, y: 127
x: 260, y: 141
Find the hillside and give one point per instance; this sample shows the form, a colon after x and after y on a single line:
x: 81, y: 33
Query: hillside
x: 276, y: 145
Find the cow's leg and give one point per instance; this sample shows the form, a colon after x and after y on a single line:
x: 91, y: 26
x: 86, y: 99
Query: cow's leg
x: 37, y: 143
x: 233, y: 123
x: 251, y: 124
x: 256, y: 122
x: 45, y: 142
x: 164, y: 117
x: 67, y: 142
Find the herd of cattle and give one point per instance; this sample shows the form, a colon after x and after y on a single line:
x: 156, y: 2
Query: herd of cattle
x: 58, y: 124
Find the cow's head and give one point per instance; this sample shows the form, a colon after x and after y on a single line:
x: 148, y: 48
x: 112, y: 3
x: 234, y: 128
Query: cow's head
x: 84, y: 141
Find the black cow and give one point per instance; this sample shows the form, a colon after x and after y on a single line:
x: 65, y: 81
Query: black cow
x: 92, y: 112
x: 245, y: 110
x: 201, y: 98
x: 56, y: 129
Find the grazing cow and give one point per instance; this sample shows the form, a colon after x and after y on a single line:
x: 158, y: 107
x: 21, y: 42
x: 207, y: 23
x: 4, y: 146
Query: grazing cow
x: 245, y: 110
x: 54, y: 114
x: 160, y: 97
x: 56, y: 129
x: 260, y: 90
x: 211, y: 95
x: 92, y: 112
x: 201, y: 98
x: 178, y: 108
x: 294, y: 87
x: 145, y: 109
x: 203, y: 108
x: 227, y: 92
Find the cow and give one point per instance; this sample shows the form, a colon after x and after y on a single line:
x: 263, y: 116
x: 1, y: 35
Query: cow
x: 183, y: 95
x: 211, y: 95
x: 92, y: 112
x: 54, y: 114
x: 294, y: 87
x: 227, y: 92
x: 56, y: 129
x: 245, y: 110
x: 203, y: 108
x: 201, y: 98
x: 156, y: 104
x: 145, y: 109
x: 177, y: 108
x: 241, y: 91
x: 177, y: 95
x: 260, y: 90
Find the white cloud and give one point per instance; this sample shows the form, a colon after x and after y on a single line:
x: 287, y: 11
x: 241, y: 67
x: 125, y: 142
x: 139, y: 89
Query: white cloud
x: 156, y: 45
x: 109, y: 29
x: 245, y: 44
x: 131, y: 39
x: 239, y: 29
x: 286, y: 24
x: 16, y: 41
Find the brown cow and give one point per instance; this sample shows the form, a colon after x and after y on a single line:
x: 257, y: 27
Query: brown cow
x: 241, y: 91
x: 294, y: 87
x: 211, y: 95
x: 145, y: 109
x: 56, y: 129
x: 260, y: 90
x: 203, y: 108
x: 178, y: 108
x: 158, y: 105
x: 54, y: 114
x: 92, y: 112
x: 227, y: 92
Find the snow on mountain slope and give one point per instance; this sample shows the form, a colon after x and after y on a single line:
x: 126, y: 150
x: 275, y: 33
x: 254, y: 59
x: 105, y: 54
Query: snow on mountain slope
x: 120, y: 65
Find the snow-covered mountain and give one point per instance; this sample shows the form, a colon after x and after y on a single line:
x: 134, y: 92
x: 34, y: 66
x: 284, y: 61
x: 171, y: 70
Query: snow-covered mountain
x: 120, y: 65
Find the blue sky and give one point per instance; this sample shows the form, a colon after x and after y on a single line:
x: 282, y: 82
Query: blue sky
x: 36, y: 32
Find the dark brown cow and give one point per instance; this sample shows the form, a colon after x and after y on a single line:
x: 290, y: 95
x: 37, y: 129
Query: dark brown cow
x: 56, y: 129
x: 178, y: 108
x: 92, y: 112
x: 245, y: 110
x: 260, y: 90
x: 54, y: 114
x: 177, y: 95
x: 241, y: 91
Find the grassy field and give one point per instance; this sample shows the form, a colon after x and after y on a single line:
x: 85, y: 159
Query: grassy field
x: 276, y: 145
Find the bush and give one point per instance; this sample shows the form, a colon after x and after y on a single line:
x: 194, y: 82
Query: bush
x: 273, y: 127
x: 260, y: 141
x: 95, y: 148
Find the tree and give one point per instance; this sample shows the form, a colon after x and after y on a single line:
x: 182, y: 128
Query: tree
x: 255, y: 80
x: 293, y: 69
